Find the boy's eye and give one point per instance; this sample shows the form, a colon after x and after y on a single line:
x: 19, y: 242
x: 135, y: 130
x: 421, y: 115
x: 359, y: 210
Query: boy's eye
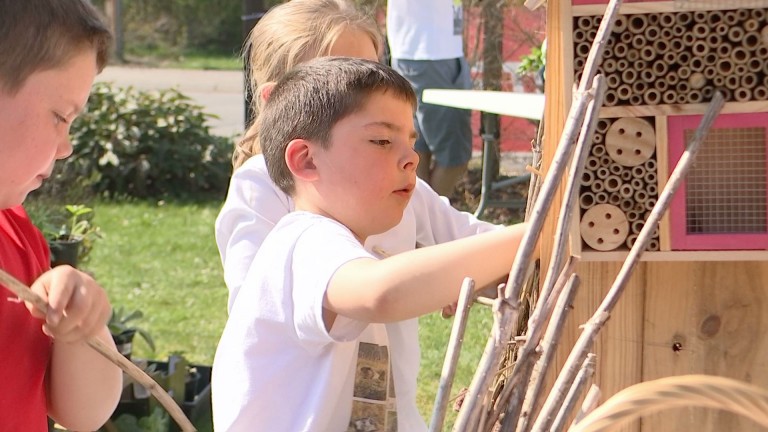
x: 382, y: 142
x: 60, y: 118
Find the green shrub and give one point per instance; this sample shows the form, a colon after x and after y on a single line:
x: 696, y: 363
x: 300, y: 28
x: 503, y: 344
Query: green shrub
x: 147, y: 144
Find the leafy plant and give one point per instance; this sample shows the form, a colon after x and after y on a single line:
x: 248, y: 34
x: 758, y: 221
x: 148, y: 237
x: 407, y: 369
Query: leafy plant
x: 77, y: 226
x: 533, y: 62
x: 147, y: 144
x: 71, y: 224
x: 121, y: 321
x: 158, y: 421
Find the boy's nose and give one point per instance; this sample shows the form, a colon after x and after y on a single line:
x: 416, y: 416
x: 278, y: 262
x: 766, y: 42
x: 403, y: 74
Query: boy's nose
x: 64, y: 149
x: 411, y: 159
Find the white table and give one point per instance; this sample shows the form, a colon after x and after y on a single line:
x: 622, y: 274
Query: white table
x: 515, y: 104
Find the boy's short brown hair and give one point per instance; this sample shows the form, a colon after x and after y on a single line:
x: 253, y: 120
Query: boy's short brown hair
x: 38, y: 35
x: 310, y: 99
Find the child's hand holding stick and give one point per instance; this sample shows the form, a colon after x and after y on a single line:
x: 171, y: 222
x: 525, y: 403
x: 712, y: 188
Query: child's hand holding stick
x: 26, y: 294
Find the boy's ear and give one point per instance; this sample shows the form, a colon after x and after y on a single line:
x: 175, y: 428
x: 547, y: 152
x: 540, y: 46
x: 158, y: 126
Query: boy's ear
x: 266, y: 90
x: 299, y: 156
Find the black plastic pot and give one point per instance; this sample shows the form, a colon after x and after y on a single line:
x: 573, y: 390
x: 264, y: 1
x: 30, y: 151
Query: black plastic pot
x: 124, y: 342
x: 65, y: 251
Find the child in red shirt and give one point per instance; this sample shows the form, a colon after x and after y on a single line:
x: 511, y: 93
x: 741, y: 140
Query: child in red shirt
x: 50, y: 53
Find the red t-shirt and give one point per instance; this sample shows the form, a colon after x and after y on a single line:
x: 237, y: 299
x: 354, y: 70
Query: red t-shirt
x: 24, y: 349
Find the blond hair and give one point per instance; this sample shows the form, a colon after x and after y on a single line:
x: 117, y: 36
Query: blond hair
x: 289, y: 34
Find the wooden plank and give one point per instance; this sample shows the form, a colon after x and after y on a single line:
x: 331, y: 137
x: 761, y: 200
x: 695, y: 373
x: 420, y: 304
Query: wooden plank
x: 705, y: 318
x: 684, y: 256
x: 670, y: 6
x: 557, y: 93
x: 668, y: 110
x: 662, y: 174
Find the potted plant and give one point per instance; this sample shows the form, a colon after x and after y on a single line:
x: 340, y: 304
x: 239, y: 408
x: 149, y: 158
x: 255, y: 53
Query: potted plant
x: 71, y: 242
x: 188, y: 384
x: 123, y: 328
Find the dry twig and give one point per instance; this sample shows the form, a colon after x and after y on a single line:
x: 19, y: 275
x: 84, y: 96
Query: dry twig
x: 452, y: 355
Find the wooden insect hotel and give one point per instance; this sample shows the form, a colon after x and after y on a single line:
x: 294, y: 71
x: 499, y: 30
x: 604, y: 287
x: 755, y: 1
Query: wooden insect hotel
x: 648, y: 207
x: 697, y: 303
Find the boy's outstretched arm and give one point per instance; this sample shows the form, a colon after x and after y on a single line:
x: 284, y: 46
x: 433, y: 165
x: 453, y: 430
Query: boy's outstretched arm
x: 417, y: 282
x: 83, y: 387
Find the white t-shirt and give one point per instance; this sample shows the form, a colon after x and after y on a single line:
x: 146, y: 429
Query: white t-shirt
x: 278, y: 369
x: 425, y: 29
x: 253, y: 207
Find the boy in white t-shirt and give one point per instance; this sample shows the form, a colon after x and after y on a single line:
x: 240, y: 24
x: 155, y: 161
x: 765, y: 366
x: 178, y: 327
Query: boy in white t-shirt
x: 307, y: 347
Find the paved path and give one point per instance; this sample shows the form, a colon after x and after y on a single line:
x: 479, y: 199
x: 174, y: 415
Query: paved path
x: 219, y: 92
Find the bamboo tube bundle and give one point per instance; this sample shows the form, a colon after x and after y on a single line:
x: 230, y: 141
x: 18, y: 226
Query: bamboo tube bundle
x: 751, y: 40
x: 713, y: 40
x: 695, y: 96
x: 760, y: 93
x: 666, y: 35
x: 736, y: 34
x: 615, y: 169
x: 742, y: 94
x: 626, y: 191
x: 637, y: 23
x: 764, y: 36
x: 697, y: 80
x: 755, y: 64
x: 723, y: 50
x: 639, y: 41
x: 748, y: 81
x: 620, y: 49
x: 732, y: 82
x: 751, y: 25
x: 622, y: 176
x: 625, y: 175
x: 730, y: 18
x: 614, y: 198
x: 697, y: 64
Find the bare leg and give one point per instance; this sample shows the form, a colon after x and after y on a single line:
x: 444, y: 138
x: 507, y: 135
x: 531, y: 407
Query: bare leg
x: 444, y: 179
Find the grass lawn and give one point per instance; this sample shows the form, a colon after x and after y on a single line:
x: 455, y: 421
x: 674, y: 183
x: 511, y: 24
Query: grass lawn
x: 162, y: 259
x: 188, y: 60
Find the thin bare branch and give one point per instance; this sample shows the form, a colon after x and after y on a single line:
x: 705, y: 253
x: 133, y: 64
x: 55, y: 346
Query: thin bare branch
x: 585, y: 373
x: 547, y: 348
x: 452, y: 355
x: 590, y: 402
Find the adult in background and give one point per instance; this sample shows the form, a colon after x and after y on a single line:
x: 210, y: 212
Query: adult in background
x: 425, y: 43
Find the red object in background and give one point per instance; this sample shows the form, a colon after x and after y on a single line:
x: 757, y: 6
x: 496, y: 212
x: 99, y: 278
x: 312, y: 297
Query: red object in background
x: 523, y: 30
x: 516, y: 134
